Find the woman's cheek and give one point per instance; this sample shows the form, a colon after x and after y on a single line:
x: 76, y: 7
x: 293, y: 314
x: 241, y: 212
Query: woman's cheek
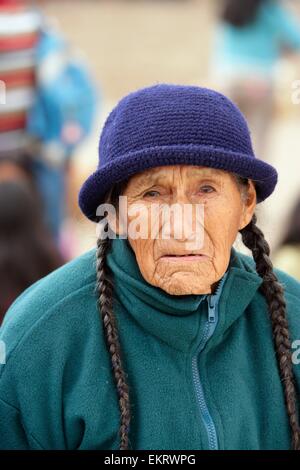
x: 143, y: 249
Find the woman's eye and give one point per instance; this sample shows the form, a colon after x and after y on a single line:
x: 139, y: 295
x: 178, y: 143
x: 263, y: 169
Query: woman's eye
x: 151, y: 193
x: 207, y: 189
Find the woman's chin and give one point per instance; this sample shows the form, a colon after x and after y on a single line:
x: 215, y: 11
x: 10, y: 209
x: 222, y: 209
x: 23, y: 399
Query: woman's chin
x: 184, y: 285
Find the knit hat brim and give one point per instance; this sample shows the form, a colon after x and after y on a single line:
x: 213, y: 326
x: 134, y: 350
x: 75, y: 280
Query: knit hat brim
x: 93, y: 191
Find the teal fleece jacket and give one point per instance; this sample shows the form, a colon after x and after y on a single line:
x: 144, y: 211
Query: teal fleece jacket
x: 202, y: 370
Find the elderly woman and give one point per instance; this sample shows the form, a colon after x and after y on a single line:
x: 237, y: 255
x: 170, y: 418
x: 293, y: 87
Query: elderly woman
x: 161, y: 342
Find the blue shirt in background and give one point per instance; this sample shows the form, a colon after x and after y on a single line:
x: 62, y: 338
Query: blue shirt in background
x: 258, y: 45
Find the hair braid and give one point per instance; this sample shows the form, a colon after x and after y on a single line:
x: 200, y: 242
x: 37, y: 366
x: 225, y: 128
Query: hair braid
x: 105, y: 299
x: 254, y: 239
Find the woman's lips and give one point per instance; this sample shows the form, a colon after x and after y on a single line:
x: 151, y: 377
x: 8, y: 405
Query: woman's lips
x: 181, y: 258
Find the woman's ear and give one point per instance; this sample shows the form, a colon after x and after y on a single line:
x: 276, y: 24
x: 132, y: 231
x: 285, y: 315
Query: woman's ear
x: 249, y: 205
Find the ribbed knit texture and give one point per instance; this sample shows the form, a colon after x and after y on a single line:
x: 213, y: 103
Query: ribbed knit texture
x: 167, y: 124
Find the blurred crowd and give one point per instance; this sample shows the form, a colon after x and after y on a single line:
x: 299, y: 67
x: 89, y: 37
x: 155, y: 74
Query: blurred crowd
x: 47, y: 108
x: 50, y: 99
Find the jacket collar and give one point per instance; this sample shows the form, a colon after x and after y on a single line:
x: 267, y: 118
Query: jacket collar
x: 175, y: 319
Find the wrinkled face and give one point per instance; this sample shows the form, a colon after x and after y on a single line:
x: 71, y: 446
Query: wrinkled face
x: 180, y: 263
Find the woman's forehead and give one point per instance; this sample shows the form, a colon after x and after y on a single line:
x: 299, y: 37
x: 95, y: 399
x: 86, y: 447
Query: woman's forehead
x: 168, y: 170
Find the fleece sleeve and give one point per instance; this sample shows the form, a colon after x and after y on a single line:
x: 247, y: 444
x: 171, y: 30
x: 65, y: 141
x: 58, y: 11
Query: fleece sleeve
x: 12, y: 433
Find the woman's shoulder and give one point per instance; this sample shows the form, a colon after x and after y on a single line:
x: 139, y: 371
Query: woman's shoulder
x: 60, y: 297
x: 290, y: 284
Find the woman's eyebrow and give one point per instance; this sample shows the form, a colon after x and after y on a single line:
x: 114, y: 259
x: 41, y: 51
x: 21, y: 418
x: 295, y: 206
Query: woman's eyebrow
x: 151, y: 179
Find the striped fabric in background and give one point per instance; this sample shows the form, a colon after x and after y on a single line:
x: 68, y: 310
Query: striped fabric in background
x: 19, y: 35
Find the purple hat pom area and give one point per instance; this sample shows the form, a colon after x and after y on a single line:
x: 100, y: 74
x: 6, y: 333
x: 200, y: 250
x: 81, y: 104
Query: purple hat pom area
x: 168, y: 124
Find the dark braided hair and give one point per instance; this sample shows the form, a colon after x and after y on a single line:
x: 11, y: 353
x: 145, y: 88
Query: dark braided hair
x: 253, y: 239
x: 104, y: 290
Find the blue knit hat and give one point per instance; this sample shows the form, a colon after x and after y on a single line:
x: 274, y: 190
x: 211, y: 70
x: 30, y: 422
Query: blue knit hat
x: 167, y: 124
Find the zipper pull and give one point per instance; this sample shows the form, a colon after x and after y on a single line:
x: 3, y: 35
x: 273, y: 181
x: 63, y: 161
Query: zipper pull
x: 211, y: 308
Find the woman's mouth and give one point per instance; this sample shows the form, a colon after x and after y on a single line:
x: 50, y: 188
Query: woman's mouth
x: 180, y: 258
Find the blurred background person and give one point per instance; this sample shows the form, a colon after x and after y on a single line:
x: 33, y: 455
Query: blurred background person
x: 286, y: 256
x: 27, y: 249
x: 250, y: 38
x: 50, y: 103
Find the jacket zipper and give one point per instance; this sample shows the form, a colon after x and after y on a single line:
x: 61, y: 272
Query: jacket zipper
x: 209, y: 328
